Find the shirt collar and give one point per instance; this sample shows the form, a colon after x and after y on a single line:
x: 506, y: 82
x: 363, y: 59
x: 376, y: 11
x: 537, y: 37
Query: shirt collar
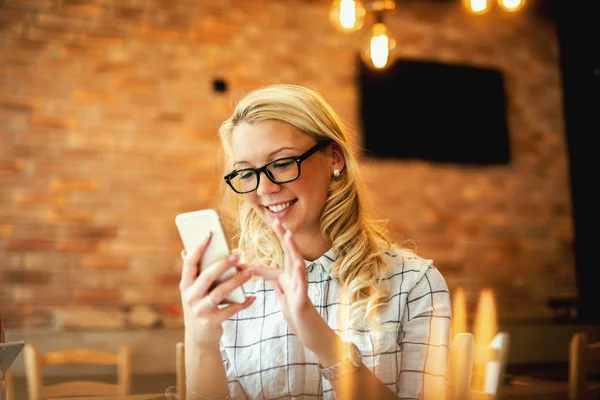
x: 326, y: 261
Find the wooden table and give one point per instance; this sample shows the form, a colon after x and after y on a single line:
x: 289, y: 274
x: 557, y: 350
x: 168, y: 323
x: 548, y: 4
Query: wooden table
x: 150, y: 396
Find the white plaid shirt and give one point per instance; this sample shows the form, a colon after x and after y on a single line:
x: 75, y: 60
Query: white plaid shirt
x: 264, y: 360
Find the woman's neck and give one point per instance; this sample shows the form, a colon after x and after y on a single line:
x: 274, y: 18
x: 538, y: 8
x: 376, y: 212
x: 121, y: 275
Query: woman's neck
x: 313, y: 246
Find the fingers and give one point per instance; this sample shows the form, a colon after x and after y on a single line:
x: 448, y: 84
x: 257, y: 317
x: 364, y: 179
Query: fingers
x: 287, y: 252
x: 278, y: 229
x: 210, y: 274
x: 225, y: 313
x: 297, y: 264
x: 220, y: 293
x: 269, y: 273
x: 189, y: 272
x: 277, y: 288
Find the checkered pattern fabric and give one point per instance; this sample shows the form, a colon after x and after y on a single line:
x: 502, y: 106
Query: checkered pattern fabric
x: 264, y: 360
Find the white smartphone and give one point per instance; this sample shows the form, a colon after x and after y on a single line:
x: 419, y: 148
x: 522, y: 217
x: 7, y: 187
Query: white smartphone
x: 8, y: 353
x: 192, y: 227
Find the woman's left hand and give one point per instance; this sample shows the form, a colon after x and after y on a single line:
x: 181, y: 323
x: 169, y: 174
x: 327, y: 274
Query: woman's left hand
x: 291, y: 288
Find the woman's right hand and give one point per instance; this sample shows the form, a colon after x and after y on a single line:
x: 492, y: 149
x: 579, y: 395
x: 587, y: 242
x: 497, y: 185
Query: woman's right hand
x: 202, y: 317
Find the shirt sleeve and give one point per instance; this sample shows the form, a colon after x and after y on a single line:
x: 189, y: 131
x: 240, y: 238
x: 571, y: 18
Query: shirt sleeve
x: 424, y: 337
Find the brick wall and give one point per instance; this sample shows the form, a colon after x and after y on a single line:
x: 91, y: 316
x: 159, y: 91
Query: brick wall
x: 108, y: 129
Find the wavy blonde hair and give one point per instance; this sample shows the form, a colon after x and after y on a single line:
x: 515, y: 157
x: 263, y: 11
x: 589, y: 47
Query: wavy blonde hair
x: 358, y: 241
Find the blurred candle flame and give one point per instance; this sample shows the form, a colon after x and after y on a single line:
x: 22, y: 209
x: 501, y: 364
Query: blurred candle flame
x: 486, y: 327
x: 459, y: 312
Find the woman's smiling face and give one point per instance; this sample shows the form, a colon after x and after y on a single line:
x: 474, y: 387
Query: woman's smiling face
x: 297, y: 204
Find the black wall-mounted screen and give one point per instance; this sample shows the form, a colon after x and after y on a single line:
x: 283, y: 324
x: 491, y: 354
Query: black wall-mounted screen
x: 427, y: 110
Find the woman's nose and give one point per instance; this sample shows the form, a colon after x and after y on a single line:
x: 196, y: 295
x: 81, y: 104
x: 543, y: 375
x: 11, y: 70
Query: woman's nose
x: 266, y: 186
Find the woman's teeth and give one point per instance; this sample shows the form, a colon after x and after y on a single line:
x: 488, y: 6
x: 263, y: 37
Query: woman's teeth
x: 280, y: 207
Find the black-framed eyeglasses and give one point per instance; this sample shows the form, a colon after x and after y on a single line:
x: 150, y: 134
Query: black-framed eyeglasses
x: 282, y: 170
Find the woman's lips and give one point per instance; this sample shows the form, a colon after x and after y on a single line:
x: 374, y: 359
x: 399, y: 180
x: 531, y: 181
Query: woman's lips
x: 283, y: 213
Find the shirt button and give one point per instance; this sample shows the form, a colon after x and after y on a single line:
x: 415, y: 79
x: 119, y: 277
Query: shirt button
x: 315, y: 377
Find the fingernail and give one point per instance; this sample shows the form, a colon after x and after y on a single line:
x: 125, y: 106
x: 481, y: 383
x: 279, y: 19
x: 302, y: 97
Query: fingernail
x: 288, y: 233
x: 234, y: 257
x: 276, y: 221
x: 205, y: 237
x: 247, y: 273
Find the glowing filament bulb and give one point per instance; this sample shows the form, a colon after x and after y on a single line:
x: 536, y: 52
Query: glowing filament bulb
x: 380, y: 46
x: 478, y: 6
x: 510, y: 5
x: 347, y: 14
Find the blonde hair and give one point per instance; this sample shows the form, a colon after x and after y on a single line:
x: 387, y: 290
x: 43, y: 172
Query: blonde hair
x: 358, y: 241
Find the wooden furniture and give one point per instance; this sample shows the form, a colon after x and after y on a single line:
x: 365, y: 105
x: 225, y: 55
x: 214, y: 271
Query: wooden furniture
x: 461, y: 365
x: 494, y: 358
x: 10, y: 386
x: 581, y: 354
x: 180, y: 370
x: 36, y: 361
x: 153, y: 396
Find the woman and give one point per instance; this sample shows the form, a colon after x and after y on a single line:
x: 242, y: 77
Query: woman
x: 335, y: 309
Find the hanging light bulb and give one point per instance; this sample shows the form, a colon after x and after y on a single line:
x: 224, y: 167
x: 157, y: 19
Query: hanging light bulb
x: 380, y: 47
x: 511, y: 5
x: 347, y: 15
x: 478, y: 6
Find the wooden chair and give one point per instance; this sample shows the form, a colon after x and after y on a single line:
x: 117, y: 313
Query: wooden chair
x: 494, y: 357
x: 10, y: 386
x: 35, y: 361
x: 461, y: 365
x: 581, y: 354
x: 180, y: 370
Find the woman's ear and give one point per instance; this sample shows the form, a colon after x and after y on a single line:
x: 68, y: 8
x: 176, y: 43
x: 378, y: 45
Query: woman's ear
x: 338, y: 161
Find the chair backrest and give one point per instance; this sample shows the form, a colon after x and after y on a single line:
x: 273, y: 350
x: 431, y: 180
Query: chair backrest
x: 581, y: 354
x: 494, y: 358
x: 36, y: 361
x: 180, y: 369
x: 461, y: 365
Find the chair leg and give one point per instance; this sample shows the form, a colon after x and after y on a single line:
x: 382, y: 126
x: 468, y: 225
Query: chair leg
x: 10, y: 387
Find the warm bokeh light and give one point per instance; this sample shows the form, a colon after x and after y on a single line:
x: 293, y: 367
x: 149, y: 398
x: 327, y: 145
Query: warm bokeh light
x: 459, y: 312
x: 379, y: 49
x: 477, y: 6
x: 511, y: 5
x: 347, y: 15
x: 486, y: 323
x: 486, y: 327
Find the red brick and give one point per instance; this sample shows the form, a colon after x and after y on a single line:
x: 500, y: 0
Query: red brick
x: 26, y: 318
x: 28, y: 245
x: 12, y: 166
x: 83, y: 9
x: 29, y: 277
x: 92, y: 261
x: 59, y: 184
x: 73, y: 245
x: 30, y: 4
x: 86, y: 96
x: 15, y: 105
x: 97, y: 296
x: 156, y: 33
x: 40, y: 135
x: 70, y: 215
x: 6, y: 230
x: 45, y: 122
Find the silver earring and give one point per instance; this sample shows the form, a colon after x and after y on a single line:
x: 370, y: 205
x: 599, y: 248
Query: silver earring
x: 336, y: 172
